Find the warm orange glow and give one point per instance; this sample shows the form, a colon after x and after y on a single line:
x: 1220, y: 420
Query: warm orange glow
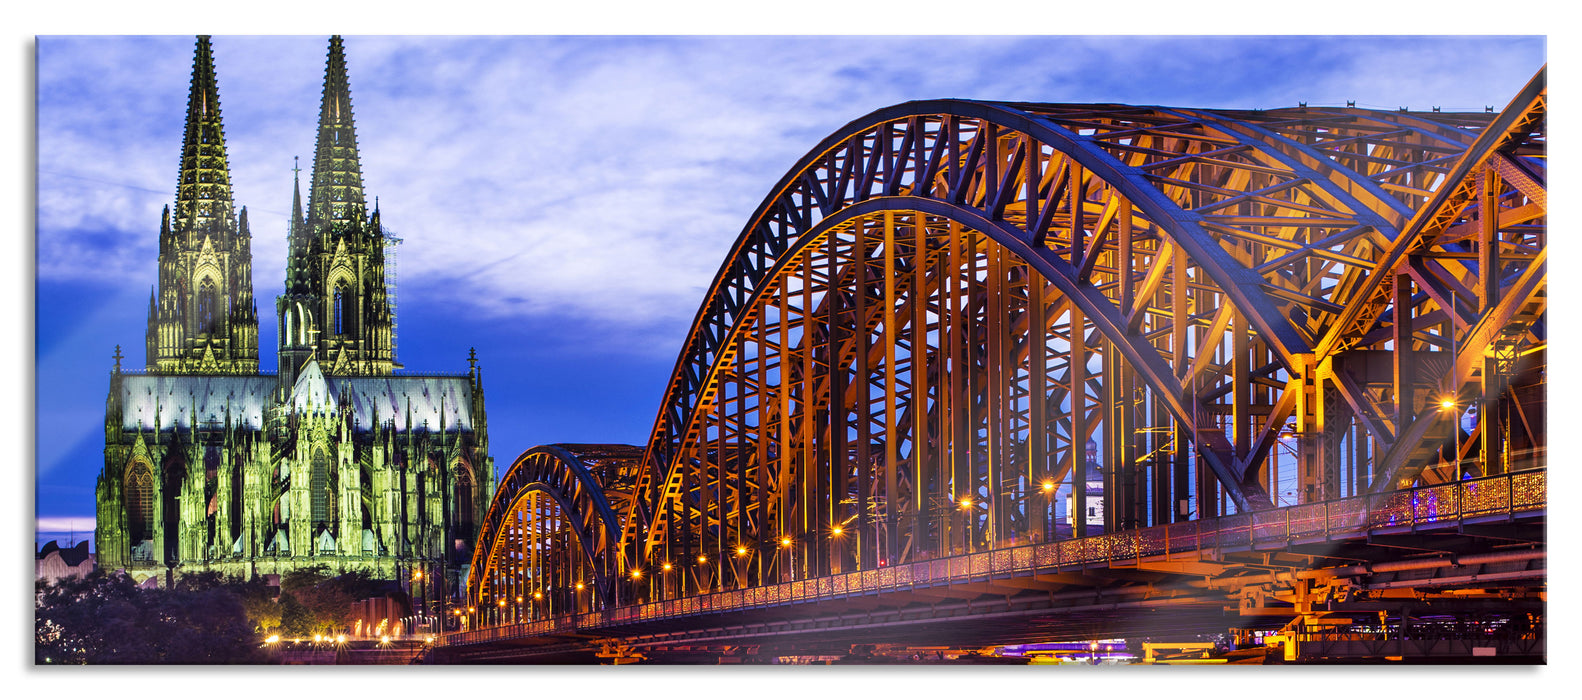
x: 965, y: 503
x: 667, y: 566
x: 271, y: 639
x: 537, y: 595
x: 579, y: 585
x: 417, y: 575
x: 340, y: 639
x: 1049, y: 486
x: 519, y: 598
x: 1447, y: 403
x: 836, y: 530
x: 384, y: 639
x: 637, y: 574
x: 502, y: 603
x: 702, y: 559
x: 741, y: 551
x: 785, y: 542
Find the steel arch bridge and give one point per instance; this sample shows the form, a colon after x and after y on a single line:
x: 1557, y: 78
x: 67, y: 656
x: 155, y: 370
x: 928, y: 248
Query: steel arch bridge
x: 962, y: 327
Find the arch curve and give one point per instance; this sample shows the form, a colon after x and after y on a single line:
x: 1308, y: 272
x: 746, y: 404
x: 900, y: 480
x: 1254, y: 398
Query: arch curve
x: 570, y: 475
x: 1280, y: 215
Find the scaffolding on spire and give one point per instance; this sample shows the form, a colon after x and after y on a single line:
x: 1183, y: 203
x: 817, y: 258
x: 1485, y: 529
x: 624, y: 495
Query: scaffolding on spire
x: 390, y: 242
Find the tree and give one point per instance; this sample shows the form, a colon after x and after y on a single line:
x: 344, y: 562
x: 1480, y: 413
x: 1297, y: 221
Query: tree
x: 108, y: 619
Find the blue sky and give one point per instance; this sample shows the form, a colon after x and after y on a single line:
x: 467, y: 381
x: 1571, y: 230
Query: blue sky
x: 565, y: 201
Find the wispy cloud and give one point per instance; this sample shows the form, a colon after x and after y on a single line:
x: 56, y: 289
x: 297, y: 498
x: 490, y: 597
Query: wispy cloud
x: 605, y: 178
x: 60, y: 525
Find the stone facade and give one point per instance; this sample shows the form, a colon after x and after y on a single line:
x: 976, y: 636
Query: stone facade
x: 211, y: 465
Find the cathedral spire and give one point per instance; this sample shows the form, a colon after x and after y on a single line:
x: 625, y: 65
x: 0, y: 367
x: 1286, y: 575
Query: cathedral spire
x: 296, y: 234
x: 201, y: 320
x: 336, y: 194
x: 203, y: 190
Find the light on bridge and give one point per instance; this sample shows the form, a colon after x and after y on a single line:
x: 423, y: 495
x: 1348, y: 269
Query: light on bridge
x: 579, y: 585
x: 836, y: 530
x: 667, y: 566
x: 785, y: 542
x: 702, y: 559
x: 637, y: 574
x: 537, y: 595
x: 1049, y: 486
x: 741, y: 551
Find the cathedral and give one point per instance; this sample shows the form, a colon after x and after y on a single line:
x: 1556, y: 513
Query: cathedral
x: 212, y: 465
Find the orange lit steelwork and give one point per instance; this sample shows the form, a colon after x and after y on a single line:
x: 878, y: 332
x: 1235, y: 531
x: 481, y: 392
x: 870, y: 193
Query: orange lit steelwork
x: 949, y: 312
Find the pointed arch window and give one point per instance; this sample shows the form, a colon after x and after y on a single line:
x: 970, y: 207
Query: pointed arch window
x: 140, y: 507
x: 464, y: 498
x: 341, y: 311
x: 319, y: 490
x: 208, y: 307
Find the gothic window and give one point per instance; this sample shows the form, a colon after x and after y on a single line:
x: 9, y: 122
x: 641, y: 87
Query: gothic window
x: 208, y: 301
x: 140, y: 505
x: 238, y: 484
x: 464, y: 515
x: 340, y: 309
x: 319, y: 490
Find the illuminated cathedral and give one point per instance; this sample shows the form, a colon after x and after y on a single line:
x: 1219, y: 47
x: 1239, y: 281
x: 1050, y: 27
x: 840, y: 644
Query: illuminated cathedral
x: 336, y: 459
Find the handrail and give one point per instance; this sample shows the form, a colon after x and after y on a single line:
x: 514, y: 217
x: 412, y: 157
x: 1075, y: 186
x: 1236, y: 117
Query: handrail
x: 1499, y: 495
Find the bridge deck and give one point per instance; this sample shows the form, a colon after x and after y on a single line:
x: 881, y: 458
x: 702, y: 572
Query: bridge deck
x: 1177, y: 576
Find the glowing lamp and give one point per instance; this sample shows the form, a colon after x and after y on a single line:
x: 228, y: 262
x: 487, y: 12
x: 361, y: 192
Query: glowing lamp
x: 538, y: 595
x: 785, y: 542
x: 836, y: 530
x: 667, y: 566
x: 741, y: 551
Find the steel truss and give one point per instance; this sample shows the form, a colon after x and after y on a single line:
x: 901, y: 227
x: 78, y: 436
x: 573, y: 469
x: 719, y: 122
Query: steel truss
x: 951, y: 317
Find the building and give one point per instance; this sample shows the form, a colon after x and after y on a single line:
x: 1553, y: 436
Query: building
x: 53, y: 562
x: 212, y: 465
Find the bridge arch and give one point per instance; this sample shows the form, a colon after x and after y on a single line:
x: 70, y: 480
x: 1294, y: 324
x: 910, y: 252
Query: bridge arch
x: 935, y: 311
x: 1228, y: 202
x: 551, y: 531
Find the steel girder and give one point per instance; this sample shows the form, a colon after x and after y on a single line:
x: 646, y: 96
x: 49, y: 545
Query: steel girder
x: 1478, y: 253
x: 932, y: 312
x: 1281, y: 216
x: 581, y: 481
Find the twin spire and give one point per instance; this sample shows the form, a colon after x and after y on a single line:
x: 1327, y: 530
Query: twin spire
x: 203, y: 188
x: 202, y: 317
x: 337, y: 190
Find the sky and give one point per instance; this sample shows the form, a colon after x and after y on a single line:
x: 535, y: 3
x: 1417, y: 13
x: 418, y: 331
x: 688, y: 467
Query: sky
x: 565, y: 201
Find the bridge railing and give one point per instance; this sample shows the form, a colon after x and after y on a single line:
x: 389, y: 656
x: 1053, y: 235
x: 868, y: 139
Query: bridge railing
x: 1495, y: 497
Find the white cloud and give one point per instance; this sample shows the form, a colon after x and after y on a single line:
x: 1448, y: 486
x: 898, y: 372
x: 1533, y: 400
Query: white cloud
x: 605, y: 178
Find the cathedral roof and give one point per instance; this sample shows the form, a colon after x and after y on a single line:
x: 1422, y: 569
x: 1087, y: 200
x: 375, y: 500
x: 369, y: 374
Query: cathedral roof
x: 178, y: 398
x: 312, y: 392
x: 431, y: 400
